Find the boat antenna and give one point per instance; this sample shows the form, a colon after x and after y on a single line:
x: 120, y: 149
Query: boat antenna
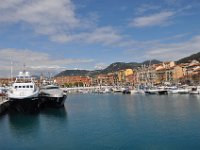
x: 24, y: 70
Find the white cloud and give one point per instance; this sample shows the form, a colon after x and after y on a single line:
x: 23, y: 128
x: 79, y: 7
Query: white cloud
x: 161, y: 18
x: 58, y: 20
x: 146, y: 8
x: 35, y: 61
x: 100, y: 66
x: 103, y: 35
x: 45, y: 17
x: 174, y: 51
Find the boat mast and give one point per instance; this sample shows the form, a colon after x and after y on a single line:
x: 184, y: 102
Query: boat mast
x: 11, y: 70
x: 24, y: 71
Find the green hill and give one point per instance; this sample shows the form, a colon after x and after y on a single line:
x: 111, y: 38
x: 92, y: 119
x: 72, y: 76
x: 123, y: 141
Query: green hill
x: 190, y: 58
x: 121, y: 66
x: 111, y: 68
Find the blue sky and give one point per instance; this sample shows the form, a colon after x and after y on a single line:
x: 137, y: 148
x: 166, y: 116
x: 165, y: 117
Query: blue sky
x: 54, y: 35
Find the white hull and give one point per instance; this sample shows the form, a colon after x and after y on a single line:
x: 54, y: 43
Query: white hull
x: 194, y: 92
x: 23, y: 95
x: 134, y: 91
x: 137, y: 91
x: 52, y: 96
x: 179, y: 91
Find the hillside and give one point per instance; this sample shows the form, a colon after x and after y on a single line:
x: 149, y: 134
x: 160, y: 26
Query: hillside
x: 189, y: 58
x: 74, y: 73
x: 111, y: 68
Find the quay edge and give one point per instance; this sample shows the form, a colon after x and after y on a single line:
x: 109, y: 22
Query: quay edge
x: 4, y: 105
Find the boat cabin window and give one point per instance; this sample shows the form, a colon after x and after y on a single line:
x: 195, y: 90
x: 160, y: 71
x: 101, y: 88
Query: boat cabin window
x: 19, y: 86
x: 52, y: 88
x: 31, y: 86
x: 27, y: 86
x: 23, y: 86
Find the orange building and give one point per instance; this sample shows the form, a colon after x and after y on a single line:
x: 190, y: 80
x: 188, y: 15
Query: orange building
x: 79, y: 80
x: 105, y: 79
x: 178, y: 73
x: 5, y: 81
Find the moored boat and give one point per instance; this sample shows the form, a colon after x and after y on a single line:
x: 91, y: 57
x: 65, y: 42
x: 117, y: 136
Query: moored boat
x: 52, y: 96
x: 23, y: 94
x: 195, y: 90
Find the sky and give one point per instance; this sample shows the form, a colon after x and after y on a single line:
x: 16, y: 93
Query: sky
x: 55, y: 35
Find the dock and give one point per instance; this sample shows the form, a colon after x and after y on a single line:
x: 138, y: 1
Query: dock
x: 4, y: 104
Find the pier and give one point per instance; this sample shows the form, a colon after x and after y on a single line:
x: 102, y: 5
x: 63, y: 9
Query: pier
x: 4, y: 104
x: 73, y: 89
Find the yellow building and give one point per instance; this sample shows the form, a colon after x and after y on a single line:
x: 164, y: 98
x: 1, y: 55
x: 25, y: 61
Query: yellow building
x: 128, y: 72
x: 121, y: 76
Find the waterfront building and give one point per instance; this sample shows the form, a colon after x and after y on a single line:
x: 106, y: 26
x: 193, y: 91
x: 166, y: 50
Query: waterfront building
x: 128, y: 72
x: 146, y: 75
x: 178, y: 73
x: 121, y: 77
x: 6, y: 81
x: 191, y: 74
x: 105, y: 79
x: 101, y: 79
x: 73, y: 80
x: 130, y: 79
x: 164, y: 72
x: 129, y: 75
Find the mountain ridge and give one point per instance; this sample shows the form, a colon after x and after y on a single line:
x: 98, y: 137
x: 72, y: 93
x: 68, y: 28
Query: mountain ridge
x: 122, y: 65
x: 195, y: 56
x: 111, y: 68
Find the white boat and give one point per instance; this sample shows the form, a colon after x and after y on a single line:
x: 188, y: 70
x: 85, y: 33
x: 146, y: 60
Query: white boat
x: 134, y: 91
x: 183, y: 91
x: 178, y: 91
x: 195, y: 90
x: 155, y: 90
x: 172, y: 89
x: 52, y: 95
x: 137, y: 91
x: 105, y: 90
x: 3, y: 91
x: 151, y: 91
x: 23, y: 93
x: 118, y: 89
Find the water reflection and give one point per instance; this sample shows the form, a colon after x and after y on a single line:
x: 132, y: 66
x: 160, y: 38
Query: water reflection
x: 55, y: 113
x: 28, y: 124
x: 23, y: 125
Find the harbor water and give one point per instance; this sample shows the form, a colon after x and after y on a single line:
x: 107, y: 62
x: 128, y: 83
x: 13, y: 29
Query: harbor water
x: 107, y: 121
